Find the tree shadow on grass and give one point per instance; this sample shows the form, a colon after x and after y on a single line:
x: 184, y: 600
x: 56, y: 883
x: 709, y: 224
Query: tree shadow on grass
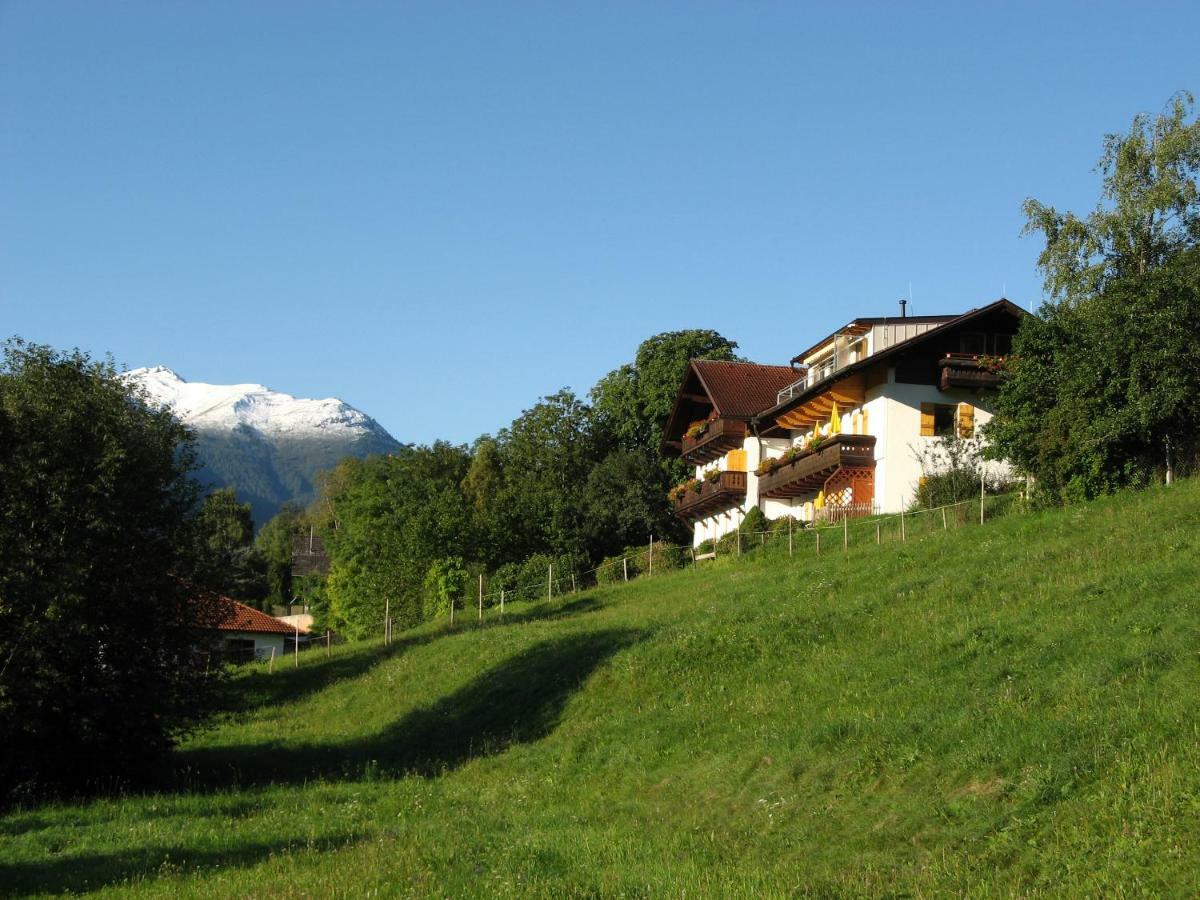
x: 260, y: 688
x: 74, y: 873
x: 518, y: 701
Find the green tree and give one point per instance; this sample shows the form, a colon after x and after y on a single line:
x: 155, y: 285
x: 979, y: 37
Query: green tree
x: 233, y: 566
x: 99, y: 670
x: 274, y: 543
x: 632, y: 402
x: 1101, y: 386
x: 445, y: 586
x: 1149, y: 209
x: 631, y: 405
x: 545, y: 455
x: 386, y: 518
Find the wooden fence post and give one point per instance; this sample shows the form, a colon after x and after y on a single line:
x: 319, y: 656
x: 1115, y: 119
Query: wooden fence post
x: 902, y: 537
x: 789, y: 534
x: 327, y: 644
x: 846, y: 534
x: 943, y: 518
x: 739, y: 541
x: 877, y: 531
x: 297, y: 653
x: 981, y: 495
x: 625, y: 566
x: 651, y: 569
x: 271, y: 664
x: 387, y: 607
x: 574, y: 590
x: 481, y: 597
x: 502, y: 601
x: 550, y: 582
x: 817, y: 531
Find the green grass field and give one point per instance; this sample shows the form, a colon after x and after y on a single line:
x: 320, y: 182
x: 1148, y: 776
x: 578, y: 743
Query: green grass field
x: 1007, y: 709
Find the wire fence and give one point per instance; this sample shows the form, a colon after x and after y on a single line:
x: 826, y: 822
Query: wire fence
x: 835, y: 534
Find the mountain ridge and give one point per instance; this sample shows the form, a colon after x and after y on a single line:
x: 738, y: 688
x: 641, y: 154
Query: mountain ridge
x: 266, y: 444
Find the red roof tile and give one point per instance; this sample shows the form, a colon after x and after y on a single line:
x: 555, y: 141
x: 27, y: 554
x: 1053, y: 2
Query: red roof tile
x: 741, y: 389
x: 234, y: 616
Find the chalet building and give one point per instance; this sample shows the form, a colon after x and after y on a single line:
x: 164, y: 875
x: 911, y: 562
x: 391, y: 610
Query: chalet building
x: 242, y: 633
x: 839, y: 432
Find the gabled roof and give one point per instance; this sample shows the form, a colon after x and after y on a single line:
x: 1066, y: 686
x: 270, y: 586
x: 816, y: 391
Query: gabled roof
x: 738, y: 390
x: 234, y: 616
x: 774, y: 410
x: 733, y: 390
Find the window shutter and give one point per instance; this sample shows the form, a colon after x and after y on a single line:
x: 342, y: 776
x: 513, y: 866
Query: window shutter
x: 736, y: 461
x: 966, y: 420
x: 926, y: 420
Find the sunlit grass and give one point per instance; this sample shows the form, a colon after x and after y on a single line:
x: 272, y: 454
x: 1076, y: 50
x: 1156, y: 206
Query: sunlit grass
x: 1009, y: 709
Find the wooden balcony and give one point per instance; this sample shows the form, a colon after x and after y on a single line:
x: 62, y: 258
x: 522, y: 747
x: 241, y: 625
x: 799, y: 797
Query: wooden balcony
x: 807, y: 474
x: 964, y: 370
x: 727, y: 491
x: 722, y: 436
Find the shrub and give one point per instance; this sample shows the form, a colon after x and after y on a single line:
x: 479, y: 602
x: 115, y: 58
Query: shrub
x: 755, y: 520
x: 445, y: 585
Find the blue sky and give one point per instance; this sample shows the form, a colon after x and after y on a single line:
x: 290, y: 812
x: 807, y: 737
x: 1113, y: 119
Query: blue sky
x: 441, y: 211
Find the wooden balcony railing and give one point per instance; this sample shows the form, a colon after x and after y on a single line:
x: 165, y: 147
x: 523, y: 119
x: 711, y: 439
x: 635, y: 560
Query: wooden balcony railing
x: 722, y: 436
x: 727, y: 491
x: 967, y: 370
x: 807, y: 474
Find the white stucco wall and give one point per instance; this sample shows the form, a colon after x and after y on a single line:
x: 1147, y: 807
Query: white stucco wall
x: 262, y: 642
x: 897, y: 464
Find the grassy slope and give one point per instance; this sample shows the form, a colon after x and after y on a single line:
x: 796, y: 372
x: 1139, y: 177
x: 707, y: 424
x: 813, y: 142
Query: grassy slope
x: 996, y: 710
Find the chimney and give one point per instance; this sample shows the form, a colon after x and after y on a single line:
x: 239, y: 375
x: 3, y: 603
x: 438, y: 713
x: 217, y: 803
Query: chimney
x: 903, y: 313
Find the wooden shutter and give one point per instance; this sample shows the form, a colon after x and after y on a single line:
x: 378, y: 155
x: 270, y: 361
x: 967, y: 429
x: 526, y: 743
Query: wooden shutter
x: 927, y: 420
x: 735, y: 461
x: 966, y: 420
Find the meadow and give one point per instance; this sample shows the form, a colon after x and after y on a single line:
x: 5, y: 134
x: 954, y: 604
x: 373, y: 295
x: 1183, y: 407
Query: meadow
x: 996, y: 710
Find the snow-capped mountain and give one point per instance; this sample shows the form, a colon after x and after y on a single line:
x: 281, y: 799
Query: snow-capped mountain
x: 224, y: 407
x: 267, y: 444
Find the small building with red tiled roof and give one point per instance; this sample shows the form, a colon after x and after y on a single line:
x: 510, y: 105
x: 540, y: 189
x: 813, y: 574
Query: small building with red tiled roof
x: 245, y: 633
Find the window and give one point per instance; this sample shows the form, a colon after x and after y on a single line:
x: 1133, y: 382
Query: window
x: 938, y: 419
x: 977, y: 343
x: 974, y: 342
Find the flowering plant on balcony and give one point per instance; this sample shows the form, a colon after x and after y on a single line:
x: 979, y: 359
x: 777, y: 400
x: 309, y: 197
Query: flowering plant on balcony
x: 712, y: 476
x: 677, y: 493
x: 767, y: 466
x: 697, y: 430
x: 994, y: 364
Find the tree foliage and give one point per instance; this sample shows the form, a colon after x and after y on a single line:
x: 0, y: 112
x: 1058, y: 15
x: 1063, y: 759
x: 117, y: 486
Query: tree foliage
x: 388, y: 518
x: 1149, y: 209
x: 274, y: 543
x: 1105, y: 394
x: 1102, y: 386
x: 232, y: 564
x: 99, y: 669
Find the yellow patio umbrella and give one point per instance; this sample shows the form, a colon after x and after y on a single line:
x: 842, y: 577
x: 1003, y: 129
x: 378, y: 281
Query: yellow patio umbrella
x: 835, y: 422
x: 820, y: 501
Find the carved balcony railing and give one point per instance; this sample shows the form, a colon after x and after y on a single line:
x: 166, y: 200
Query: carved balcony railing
x: 727, y: 491
x: 721, y: 436
x: 968, y: 370
x: 807, y: 473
